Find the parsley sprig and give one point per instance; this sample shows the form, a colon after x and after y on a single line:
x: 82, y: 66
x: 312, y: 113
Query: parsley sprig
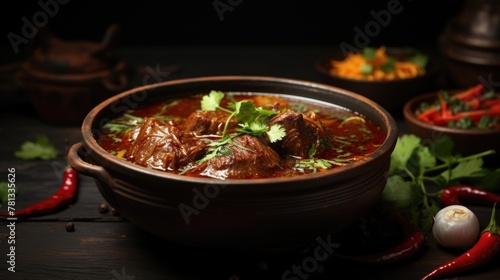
x: 251, y: 120
x: 418, y: 172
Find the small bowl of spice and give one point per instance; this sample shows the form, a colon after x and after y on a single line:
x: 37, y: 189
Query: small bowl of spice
x: 470, y: 117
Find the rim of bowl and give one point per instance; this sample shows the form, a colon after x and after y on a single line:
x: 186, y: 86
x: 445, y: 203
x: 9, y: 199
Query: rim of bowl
x: 89, y: 142
x: 409, y: 114
x: 321, y: 65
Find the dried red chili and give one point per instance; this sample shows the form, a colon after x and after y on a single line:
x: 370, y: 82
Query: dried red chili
x: 485, y: 249
x: 465, y: 194
x: 62, y: 198
x: 413, y: 242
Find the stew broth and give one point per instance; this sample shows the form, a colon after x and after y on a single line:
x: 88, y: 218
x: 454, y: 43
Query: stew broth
x: 292, y: 138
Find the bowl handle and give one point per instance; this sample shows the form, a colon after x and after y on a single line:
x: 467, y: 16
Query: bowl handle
x: 85, y: 168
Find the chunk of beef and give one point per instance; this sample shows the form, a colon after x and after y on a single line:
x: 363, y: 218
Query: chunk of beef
x: 207, y: 123
x: 163, y: 146
x: 302, y: 132
x: 250, y: 157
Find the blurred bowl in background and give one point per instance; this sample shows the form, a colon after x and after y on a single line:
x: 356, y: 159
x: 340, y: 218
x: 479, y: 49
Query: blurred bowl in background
x: 390, y: 94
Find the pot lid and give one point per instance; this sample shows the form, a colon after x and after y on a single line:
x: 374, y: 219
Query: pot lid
x: 452, y: 50
x: 477, y: 25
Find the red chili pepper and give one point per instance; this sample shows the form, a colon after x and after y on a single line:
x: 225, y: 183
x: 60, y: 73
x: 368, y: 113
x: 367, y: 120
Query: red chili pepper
x: 445, y: 111
x: 62, y: 198
x: 470, y: 93
x: 485, y: 249
x: 492, y: 102
x: 464, y: 194
x: 474, y: 104
x: 428, y: 115
x: 475, y: 116
x: 412, y: 243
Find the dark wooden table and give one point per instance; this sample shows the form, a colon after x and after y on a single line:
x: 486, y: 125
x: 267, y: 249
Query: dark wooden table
x: 106, y: 246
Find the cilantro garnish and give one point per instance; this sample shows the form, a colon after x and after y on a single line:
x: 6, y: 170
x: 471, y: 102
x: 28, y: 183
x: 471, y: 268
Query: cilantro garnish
x: 369, y: 53
x: 313, y: 164
x: 366, y: 68
x: 124, y: 123
x: 418, y: 172
x: 388, y: 65
x: 316, y: 164
x: 41, y: 148
x: 420, y: 59
x: 251, y: 120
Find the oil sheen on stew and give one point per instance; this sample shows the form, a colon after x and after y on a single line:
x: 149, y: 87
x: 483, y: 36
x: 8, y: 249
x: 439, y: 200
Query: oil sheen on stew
x: 240, y: 136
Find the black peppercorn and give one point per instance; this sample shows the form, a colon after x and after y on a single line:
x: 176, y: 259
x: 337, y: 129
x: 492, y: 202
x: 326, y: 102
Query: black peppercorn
x: 70, y: 227
x: 103, y: 208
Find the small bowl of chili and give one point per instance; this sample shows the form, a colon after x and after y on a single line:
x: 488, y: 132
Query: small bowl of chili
x: 389, y: 76
x: 470, y: 117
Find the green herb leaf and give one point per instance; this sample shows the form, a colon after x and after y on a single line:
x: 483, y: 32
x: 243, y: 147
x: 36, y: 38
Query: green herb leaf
x: 276, y: 133
x: 420, y: 59
x: 124, y: 123
x: 388, y: 65
x: 369, y: 53
x: 398, y: 192
x: 405, y: 146
x: 463, y: 169
x: 425, y: 158
x: 4, y: 191
x: 246, y: 112
x: 442, y: 148
x: 254, y: 128
x: 313, y: 164
x: 42, y: 148
x: 366, y: 69
x: 252, y: 120
x: 490, y: 180
x: 211, y: 101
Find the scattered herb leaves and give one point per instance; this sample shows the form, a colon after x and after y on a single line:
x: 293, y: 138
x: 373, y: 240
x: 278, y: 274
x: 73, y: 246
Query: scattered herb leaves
x: 4, y: 191
x: 41, y: 148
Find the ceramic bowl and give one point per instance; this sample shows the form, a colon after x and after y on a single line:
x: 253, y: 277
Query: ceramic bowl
x: 466, y: 141
x: 254, y: 215
x: 392, y: 95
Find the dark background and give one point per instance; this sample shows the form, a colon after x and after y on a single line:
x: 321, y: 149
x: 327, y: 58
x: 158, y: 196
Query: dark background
x: 246, y: 22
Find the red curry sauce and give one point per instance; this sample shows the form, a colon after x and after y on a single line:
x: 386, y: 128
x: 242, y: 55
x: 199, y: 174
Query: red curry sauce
x: 350, y: 136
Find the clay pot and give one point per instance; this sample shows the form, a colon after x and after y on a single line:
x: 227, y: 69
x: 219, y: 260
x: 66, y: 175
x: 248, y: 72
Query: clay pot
x: 470, y: 45
x: 252, y: 215
x: 65, y: 79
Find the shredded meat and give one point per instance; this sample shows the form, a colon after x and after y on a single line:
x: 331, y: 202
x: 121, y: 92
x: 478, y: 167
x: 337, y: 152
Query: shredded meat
x: 163, y: 146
